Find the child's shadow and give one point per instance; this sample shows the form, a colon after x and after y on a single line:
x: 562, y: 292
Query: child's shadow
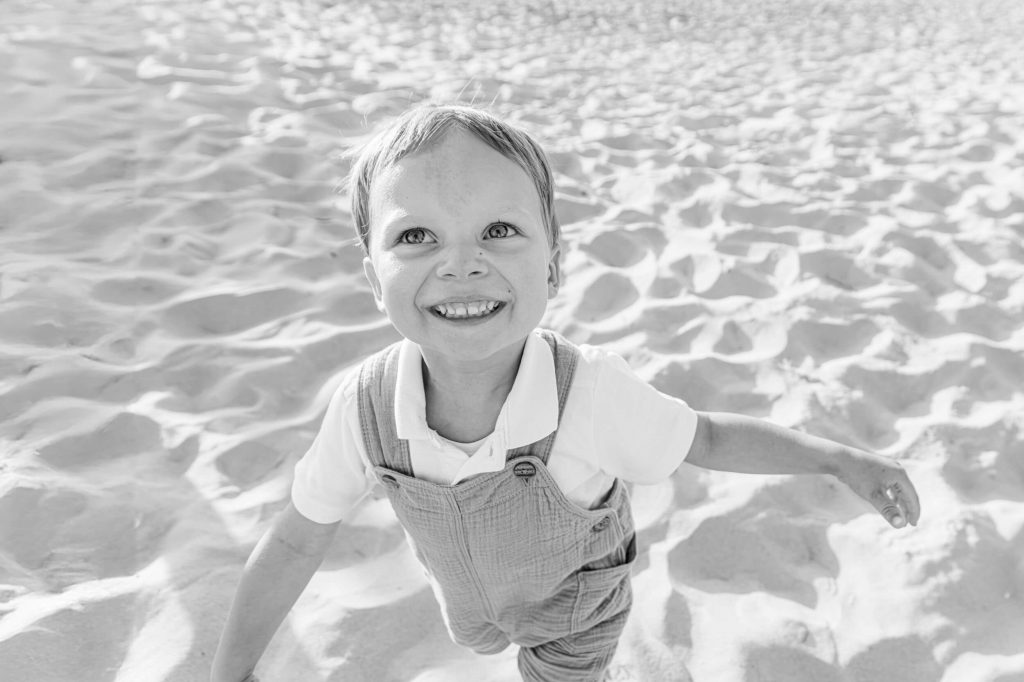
x: 777, y: 544
x: 770, y: 544
x: 369, y: 614
x: 126, y: 530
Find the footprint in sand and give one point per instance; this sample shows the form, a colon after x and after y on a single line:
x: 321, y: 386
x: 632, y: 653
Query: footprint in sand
x: 789, y: 663
x: 65, y: 537
x: 929, y: 197
x: 59, y: 323
x: 42, y: 513
x: 698, y: 271
x: 73, y: 634
x: 1000, y: 204
x: 882, y: 189
x: 571, y: 209
x: 722, y: 556
x: 908, y: 659
x: 713, y: 383
x: 615, y: 247
x: 665, y: 288
x: 126, y: 435
x: 140, y: 290
x: 715, y: 277
x: 976, y: 152
x: 837, y: 269
x: 249, y: 462
x: 607, y: 295
x: 983, y: 463
x: 822, y: 339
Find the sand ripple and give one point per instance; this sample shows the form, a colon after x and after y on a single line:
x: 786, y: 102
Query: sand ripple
x: 807, y: 211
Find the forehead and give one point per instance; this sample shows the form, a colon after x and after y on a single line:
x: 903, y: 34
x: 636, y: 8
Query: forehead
x: 454, y: 170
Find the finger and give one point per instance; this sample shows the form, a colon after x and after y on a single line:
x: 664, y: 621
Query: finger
x: 907, y: 497
x: 914, y: 502
x: 885, y: 503
x: 896, y: 495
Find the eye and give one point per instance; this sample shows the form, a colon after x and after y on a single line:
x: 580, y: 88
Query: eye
x: 416, y: 235
x: 500, y: 231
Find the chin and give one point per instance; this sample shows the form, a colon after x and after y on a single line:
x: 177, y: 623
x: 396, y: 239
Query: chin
x: 477, y: 349
x: 472, y: 347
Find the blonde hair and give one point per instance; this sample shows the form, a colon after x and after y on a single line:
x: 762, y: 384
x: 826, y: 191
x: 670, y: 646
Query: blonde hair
x: 426, y: 124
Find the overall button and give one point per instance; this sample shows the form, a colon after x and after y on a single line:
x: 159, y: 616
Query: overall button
x: 524, y: 469
x: 602, y: 524
x: 389, y: 481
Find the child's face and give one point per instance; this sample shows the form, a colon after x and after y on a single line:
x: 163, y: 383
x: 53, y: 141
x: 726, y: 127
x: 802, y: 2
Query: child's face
x: 460, y: 260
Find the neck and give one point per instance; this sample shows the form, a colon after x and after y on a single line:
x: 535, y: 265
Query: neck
x: 492, y: 376
x: 464, y: 398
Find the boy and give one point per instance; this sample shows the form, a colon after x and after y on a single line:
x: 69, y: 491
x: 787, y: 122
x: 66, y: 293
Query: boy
x: 527, y: 538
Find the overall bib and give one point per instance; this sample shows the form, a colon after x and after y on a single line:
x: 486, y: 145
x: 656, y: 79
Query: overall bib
x: 509, y: 557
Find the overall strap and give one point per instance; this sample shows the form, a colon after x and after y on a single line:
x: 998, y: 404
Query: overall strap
x: 377, y: 378
x: 566, y: 355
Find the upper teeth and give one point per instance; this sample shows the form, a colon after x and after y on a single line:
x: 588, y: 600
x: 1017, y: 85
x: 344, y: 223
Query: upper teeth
x: 466, y: 309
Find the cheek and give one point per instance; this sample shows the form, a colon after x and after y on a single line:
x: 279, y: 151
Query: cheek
x: 534, y: 287
x: 400, y: 284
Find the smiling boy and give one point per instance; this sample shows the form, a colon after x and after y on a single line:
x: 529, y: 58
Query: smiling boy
x: 461, y: 261
x: 504, y: 449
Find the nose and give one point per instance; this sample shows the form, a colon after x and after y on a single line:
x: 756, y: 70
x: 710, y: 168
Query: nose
x: 462, y: 262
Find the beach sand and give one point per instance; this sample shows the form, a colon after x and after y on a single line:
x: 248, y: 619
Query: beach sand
x: 809, y: 212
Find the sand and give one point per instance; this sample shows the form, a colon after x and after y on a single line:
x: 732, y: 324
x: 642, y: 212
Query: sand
x: 810, y: 212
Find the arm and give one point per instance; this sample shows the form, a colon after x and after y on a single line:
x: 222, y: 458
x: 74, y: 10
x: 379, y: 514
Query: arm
x: 732, y: 442
x: 276, y: 574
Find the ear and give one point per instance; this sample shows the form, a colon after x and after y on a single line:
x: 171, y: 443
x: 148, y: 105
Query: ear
x: 371, y: 277
x: 555, y: 271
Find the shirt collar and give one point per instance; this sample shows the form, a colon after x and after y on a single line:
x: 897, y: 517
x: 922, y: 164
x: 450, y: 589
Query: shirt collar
x: 529, y: 414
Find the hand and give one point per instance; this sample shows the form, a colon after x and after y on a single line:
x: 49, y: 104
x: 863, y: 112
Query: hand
x: 882, y: 482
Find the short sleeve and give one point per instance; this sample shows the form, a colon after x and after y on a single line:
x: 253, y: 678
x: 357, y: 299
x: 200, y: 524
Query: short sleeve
x: 641, y: 434
x: 334, y: 476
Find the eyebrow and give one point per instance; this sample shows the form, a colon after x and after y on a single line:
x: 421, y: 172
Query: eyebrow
x: 396, y: 220
x: 397, y: 216
x: 520, y: 211
x: 394, y: 216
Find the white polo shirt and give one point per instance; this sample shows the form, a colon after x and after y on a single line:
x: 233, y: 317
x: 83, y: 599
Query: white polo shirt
x: 615, y: 425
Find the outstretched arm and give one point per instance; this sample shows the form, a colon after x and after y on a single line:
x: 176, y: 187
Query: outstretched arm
x: 275, y: 575
x: 732, y: 442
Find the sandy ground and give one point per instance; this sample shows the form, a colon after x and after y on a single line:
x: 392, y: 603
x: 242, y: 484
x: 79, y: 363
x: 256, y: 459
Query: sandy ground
x: 811, y: 212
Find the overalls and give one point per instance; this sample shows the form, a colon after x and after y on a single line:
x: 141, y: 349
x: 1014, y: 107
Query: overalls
x: 509, y: 557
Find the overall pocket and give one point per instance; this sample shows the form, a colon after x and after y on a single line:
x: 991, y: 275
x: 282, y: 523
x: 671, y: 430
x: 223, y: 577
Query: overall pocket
x: 603, y: 592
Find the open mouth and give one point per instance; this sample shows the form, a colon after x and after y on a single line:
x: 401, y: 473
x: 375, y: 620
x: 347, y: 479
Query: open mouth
x: 467, y: 311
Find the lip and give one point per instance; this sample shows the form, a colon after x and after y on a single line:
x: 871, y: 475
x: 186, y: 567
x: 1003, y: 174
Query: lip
x: 465, y: 299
